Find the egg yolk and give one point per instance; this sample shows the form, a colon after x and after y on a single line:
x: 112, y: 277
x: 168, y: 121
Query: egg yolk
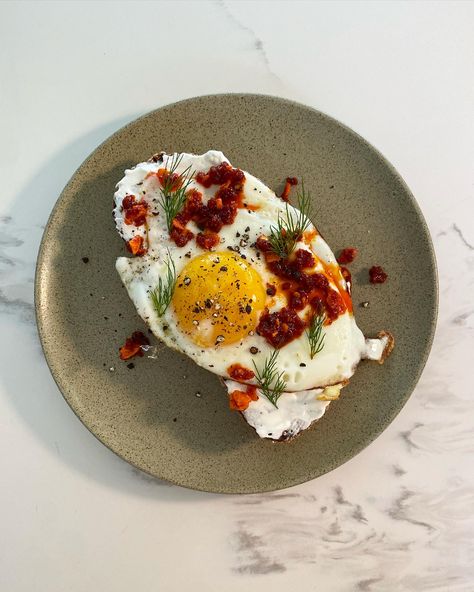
x: 218, y: 298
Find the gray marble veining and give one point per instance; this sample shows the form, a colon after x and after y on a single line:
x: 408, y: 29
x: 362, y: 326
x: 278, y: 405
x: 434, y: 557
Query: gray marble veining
x: 257, y: 43
x: 17, y: 257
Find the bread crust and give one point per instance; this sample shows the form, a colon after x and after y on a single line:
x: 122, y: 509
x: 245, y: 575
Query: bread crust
x: 389, y: 347
x: 158, y: 157
x: 284, y: 437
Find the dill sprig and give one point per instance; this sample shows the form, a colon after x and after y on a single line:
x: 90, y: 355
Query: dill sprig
x: 269, y: 380
x: 290, y: 226
x: 173, y: 193
x: 316, y: 335
x: 161, y: 296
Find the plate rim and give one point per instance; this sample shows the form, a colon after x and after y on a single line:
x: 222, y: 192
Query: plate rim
x: 39, y: 288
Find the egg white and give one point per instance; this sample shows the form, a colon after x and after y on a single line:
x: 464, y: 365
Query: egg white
x: 344, y: 342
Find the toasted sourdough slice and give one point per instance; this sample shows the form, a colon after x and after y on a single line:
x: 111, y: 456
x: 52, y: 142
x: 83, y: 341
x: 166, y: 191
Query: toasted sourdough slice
x: 344, y: 343
x: 295, y: 412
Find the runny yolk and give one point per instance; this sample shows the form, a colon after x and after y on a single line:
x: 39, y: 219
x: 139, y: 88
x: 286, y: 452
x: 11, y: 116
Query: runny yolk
x: 218, y: 299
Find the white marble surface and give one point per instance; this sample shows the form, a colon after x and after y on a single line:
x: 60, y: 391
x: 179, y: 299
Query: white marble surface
x: 399, y: 516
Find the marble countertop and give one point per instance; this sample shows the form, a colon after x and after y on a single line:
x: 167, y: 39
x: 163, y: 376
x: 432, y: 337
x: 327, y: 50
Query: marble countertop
x: 399, y: 516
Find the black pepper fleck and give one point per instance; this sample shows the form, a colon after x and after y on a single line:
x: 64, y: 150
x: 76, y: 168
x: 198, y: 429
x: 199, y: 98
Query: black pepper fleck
x: 85, y: 259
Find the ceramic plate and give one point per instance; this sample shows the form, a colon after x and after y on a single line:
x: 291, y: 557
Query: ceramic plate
x: 150, y: 414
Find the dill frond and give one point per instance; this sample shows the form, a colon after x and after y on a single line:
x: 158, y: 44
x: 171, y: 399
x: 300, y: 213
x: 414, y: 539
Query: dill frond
x: 163, y: 293
x: 173, y: 193
x: 290, y: 226
x: 269, y: 380
x: 316, y: 335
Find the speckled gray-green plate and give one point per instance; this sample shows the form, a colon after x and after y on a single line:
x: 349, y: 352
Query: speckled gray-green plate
x: 150, y: 415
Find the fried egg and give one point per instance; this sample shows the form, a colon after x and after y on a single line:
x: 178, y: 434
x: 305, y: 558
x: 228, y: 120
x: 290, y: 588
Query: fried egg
x: 233, y: 303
